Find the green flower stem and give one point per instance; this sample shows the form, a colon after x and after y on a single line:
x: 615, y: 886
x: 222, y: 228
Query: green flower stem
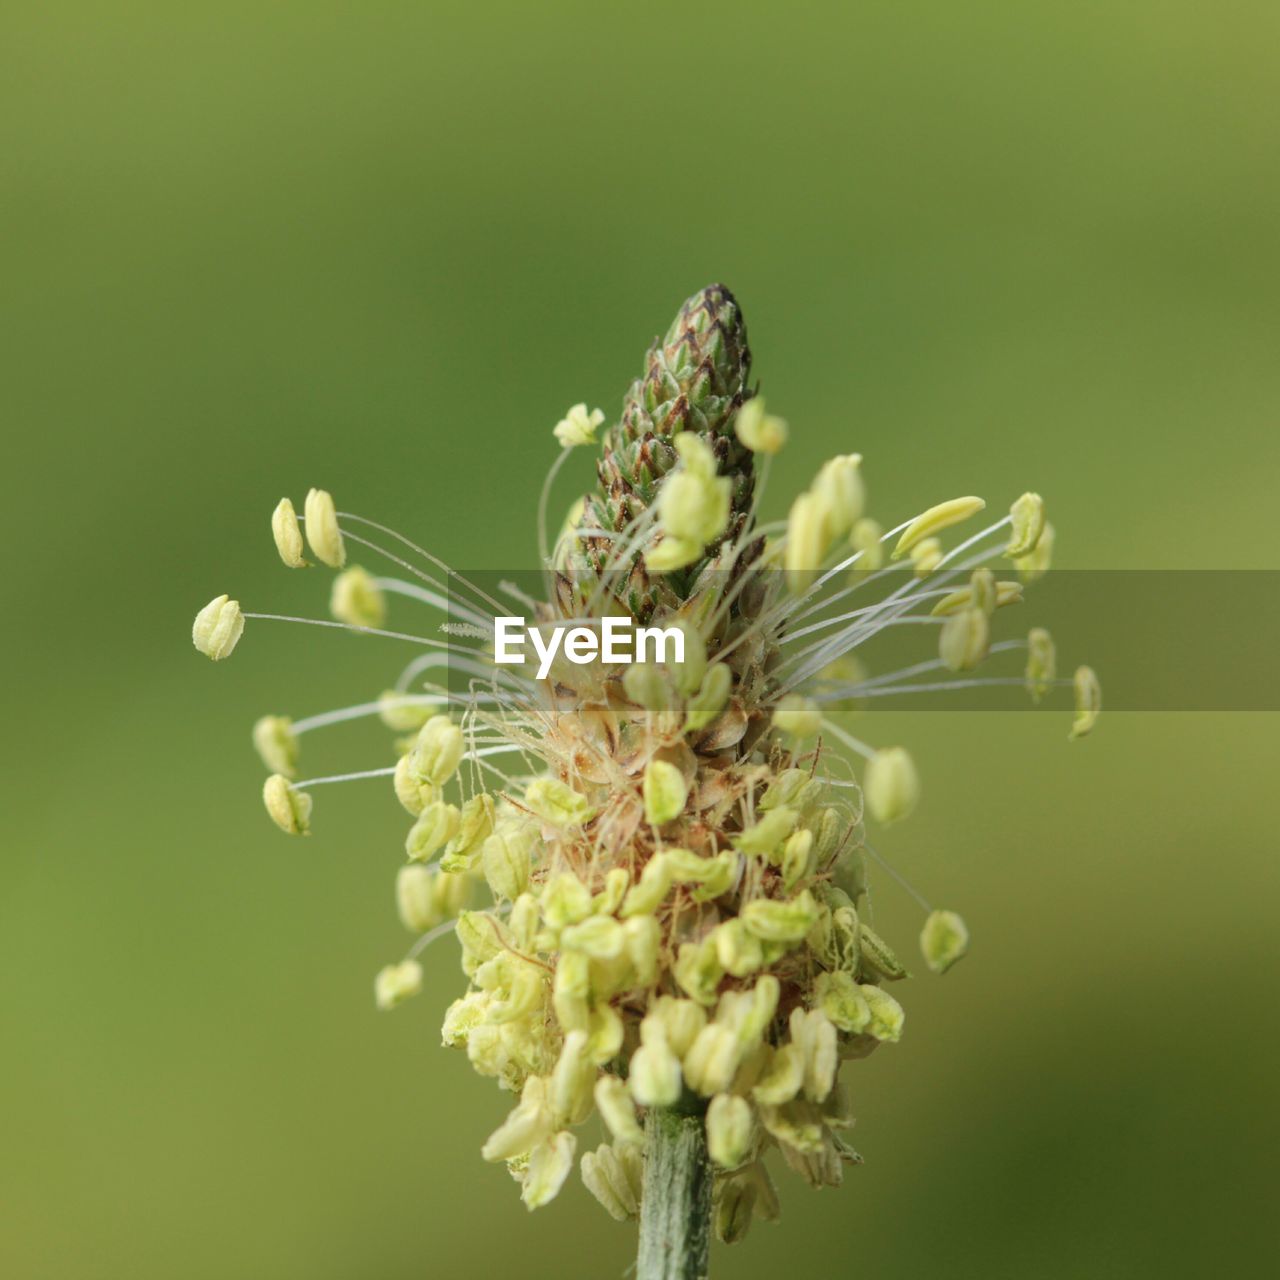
x: 675, y: 1211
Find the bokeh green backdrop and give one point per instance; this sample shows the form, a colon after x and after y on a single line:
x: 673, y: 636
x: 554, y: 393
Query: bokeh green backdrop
x: 380, y: 247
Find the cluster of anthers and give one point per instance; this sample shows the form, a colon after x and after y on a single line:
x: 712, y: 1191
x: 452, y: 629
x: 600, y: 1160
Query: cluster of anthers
x: 675, y: 851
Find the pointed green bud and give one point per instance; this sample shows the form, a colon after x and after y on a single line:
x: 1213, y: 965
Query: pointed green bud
x: 287, y: 534
x: 731, y: 1130
x: 665, y: 792
x: 357, y: 600
x: 878, y: 955
x: 323, y: 535
x: 396, y: 983
x: 218, y: 628
x: 892, y: 786
x: 1026, y: 518
x: 933, y: 521
x: 289, y: 808
x: 1088, y: 694
x: 943, y: 940
x: 277, y: 744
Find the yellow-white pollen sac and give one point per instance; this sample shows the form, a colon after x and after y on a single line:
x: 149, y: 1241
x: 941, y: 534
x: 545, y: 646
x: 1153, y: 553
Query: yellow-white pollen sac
x: 416, y: 899
x: 287, y: 534
x: 578, y: 427
x: 892, y: 786
x: 572, y: 1080
x: 693, y: 503
x: 1088, y: 693
x: 841, y: 492
x: 614, y: 1175
x: 277, y: 744
x: 807, y: 540
x: 617, y: 1110
x: 798, y: 716
x: 218, y: 628
x: 289, y: 808
x: 1027, y: 523
x: 1033, y: 567
x: 403, y: 712
x: 435, y: 827
x: 943, y: 940
x: 396, y: 983
x: 671, y: 553
x: 556, y: 803
x: 730, y: 1130
x: 711, y: 699
x: 357, y: 600
x: 323, y: 535
x: 412, y: 789
x: 1042, y: 662
x: 983, y: 591
x: 664, y: 792
x: 654, y: 1077
x: 964, y: 639
x: 865, y: 539
x: 438, y: 750
x: 761, y: 432
x: 926, y: 556
x: 943, y: 516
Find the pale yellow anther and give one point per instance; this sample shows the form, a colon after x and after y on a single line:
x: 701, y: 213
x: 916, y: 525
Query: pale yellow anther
x: 681, y: 1019
x: 617, y: 881
x: 528, y: 1123
x: 617, y: 1110
x: 507, y: 860
x: 886, y: 1014
x: 688, y: 674
x: 654, y: 1076
x: 731, y: 1130
x: 876, y: 954
x: 933, y: 521
x: 808, y: 537
x: 643, y: 941
x: 782, y: 1078
x: 600, y: 937
x: 797, y: 859
x: 1088, y: 695
x: 572, y: 1081
x: 578, y: 426
x: 475, y: 826
x: 615, y: 1176
x: 218, y: 628
x: 891, y: 786
x: 565, y: 900
x: 412, y: 789
x: 438, y: 750
x: 357, y: 600
x: 839, y: 997
x: 645, y: 896
x: 557, y: 804
x: 416, y: 899
x: 713, y: 1060
x: 982, y: 588
x: 289, y: 808
x: 277, y: 744
x: 646, y: 686
x: 403, y: 712
x: 866, y: 540
x: 1026, y: 525
x: 435, y: 827
x: 814, y: 1035
x: 774, y: 921
x: 964, y: 639
x: 698, y: 970
x: 926, y: 556
x: 1042, y: 662
x: 764, y: 837
x: 323, y: 535
x: 943, y: 940
x: 1006, y: 593
x: 711, y: 699
x: 797, y: 716
x: 671, y: 554
x: 287, y: 534
x: 550, y: 1164
x: 761, y: 432
x: 1034, y: 566
x: 665, y: 792
x: 396, y: 983
x: 693, y: 502
x: 739, y: 951
x: 840, y: 490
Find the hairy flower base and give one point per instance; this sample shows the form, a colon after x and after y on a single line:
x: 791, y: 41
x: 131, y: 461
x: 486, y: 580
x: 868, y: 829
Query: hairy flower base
x: 674, y: 849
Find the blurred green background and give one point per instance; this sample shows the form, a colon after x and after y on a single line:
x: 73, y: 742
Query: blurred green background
x: 381, y: 247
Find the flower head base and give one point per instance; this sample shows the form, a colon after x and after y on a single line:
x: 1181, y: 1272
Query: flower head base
x: 674, y: 849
